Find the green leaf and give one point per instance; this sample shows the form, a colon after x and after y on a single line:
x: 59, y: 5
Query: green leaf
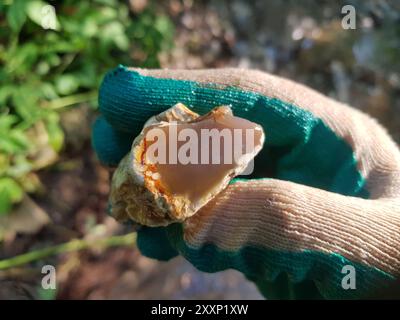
x: 19, y: 138
x: 13, y: 140
x: 48, y: 91
x: 53, y: 60
x: 25, y: 99
x: 21, y: 166
x: 115, y: 32
x: 6, y: 121
x: 16, y: 15
x: 22, y: 58
x: 67, y: 84
x: 56, y: 134
x: 8, y: 147
x: 43, y: 14
x: 90, y: 27
x: 5, y: 204
x: 4, y: 163
x: 40, y: 67
x: 10, y: 192
x: 163, y: 25
x: 89, y: 75
x: 34, y: 11
x: 6, y: 92
x: 107, y: 2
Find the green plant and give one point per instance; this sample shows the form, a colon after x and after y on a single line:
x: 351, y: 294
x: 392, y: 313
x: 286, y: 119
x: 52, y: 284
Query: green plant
x: 70, y: 246
x: 52, y: 56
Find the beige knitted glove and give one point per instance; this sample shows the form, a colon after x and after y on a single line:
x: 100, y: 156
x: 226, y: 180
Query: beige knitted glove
x: 320, y: 216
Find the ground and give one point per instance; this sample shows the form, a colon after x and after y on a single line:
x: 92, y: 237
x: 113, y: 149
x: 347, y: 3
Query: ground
x: 288, y: 41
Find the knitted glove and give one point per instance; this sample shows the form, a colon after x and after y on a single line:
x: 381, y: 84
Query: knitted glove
x: 324, y: 199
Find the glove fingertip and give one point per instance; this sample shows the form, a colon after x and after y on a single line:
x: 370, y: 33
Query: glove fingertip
x: 110, y: 145
x: 153, y: 243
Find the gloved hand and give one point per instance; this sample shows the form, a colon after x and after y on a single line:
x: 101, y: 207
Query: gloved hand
x: 325, y: 193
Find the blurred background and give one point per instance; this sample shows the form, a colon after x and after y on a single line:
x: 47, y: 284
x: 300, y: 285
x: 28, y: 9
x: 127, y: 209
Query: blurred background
x: 53, y: 55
